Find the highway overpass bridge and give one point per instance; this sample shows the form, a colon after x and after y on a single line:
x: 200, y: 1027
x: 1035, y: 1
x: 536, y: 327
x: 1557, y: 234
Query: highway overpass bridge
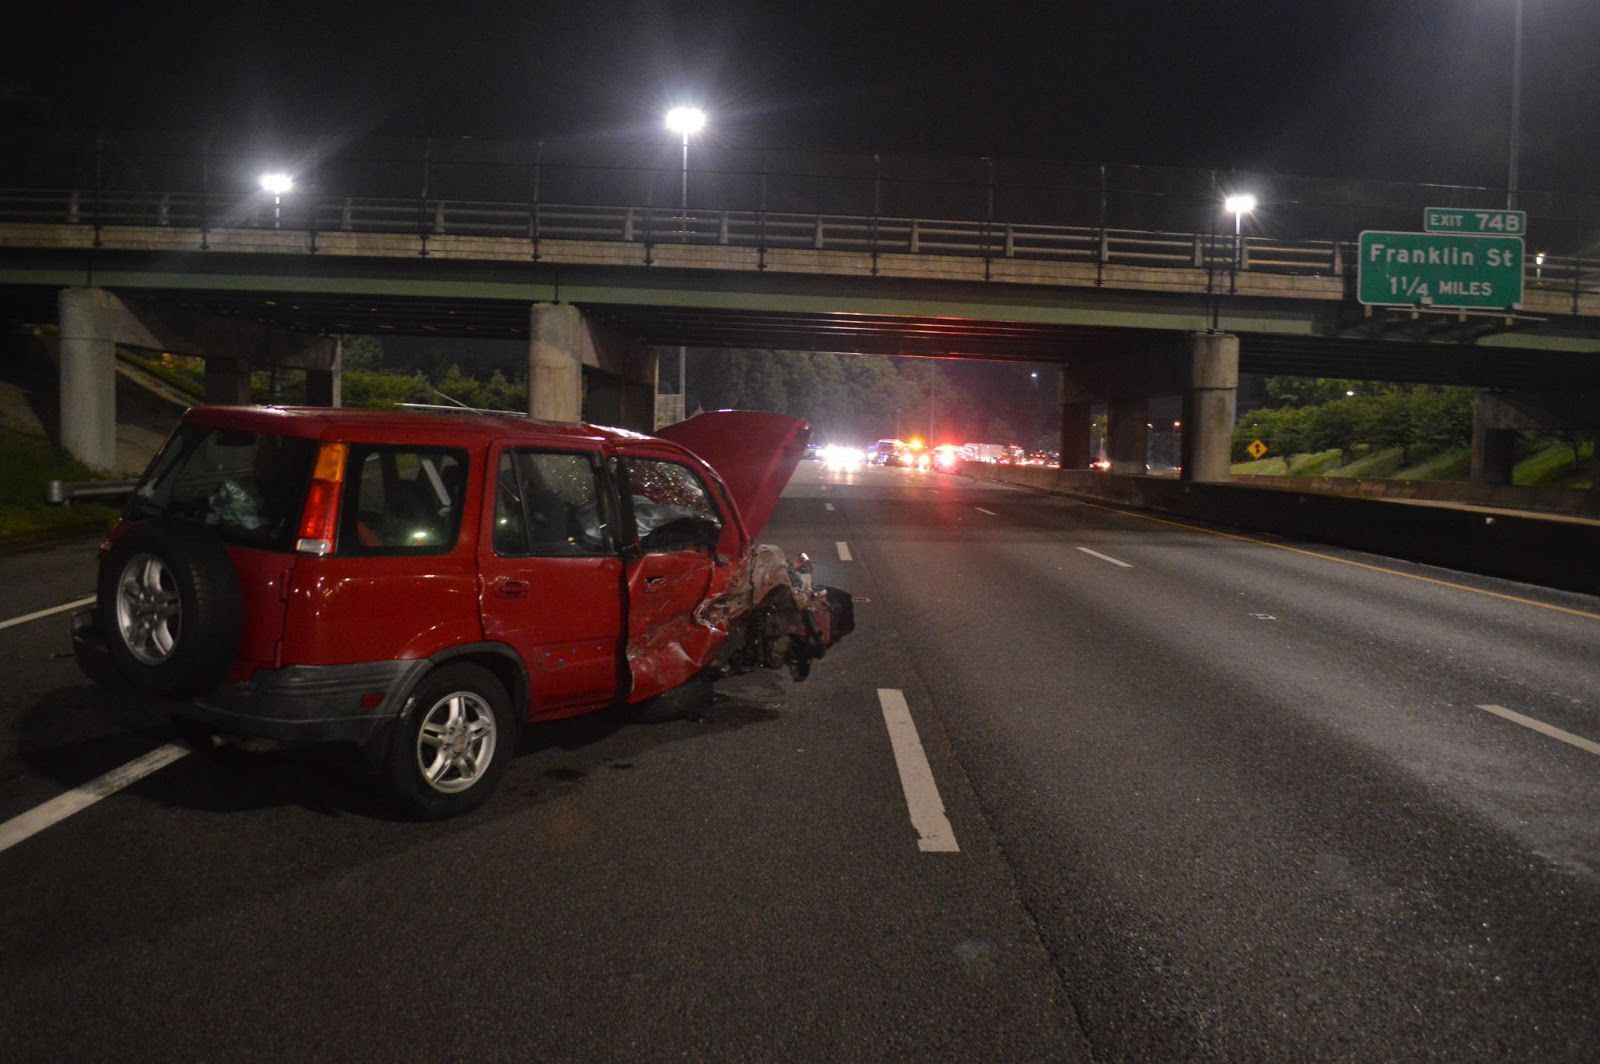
x: 592, y: 287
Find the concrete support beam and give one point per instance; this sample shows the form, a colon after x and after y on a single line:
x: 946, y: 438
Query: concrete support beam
x: 580, y: 369
x: 89, y: 375
x: 1075, y: 432
x: 227, y: 382
x: 154, y: 326
x: 1209, y: 404
x: 1494, y: 441
x: 639, y: 391
x: 1128, y: 434
x: 324, y: 387
x: 556, y: 344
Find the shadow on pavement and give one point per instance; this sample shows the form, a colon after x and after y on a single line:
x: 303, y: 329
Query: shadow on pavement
x: 73, y: 734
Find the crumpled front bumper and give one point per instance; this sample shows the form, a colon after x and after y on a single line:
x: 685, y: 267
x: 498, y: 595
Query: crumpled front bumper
x: 300, y: 703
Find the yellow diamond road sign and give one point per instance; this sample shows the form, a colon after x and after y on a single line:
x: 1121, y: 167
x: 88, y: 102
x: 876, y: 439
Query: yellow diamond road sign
x: 1257, y: 449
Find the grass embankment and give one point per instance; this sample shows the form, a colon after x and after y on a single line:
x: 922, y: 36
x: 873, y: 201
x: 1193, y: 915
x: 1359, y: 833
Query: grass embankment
x: 1452, y: 464
x: 1553, y: 467
x: 26, y: 465
x: 1549, y: 465
x: 1314, y: 464
x: 1384, y: 463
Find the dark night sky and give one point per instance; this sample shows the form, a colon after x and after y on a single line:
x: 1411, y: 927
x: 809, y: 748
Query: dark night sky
x: 1407, y: 89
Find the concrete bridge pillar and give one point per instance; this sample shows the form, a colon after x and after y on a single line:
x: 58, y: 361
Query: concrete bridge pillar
x: 1494, y: 440
x: 227, y: 381
x: 1076, y: 394
x: 555, y: 362
x: 1209, y: 406
x: 1128, y: 434
x: 1076, y: 419
x: 89, y: 375
x: 325, y: 387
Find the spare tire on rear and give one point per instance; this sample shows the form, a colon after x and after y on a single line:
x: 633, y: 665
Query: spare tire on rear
x: 168, y: 604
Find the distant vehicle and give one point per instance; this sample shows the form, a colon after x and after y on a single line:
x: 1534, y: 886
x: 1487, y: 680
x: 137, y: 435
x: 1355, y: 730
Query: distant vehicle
x: 891, y: 453
x: 843, y: 459
x: 812, y: 453
x: 422, y: 584
x: 985, y: 452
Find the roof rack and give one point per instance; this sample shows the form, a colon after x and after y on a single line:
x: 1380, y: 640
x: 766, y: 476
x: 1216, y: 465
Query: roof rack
x: 440, y: 408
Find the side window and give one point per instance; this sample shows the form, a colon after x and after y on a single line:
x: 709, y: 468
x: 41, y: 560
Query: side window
x: 548, y: 504
x: 401, y: 500
x: 669, y: 501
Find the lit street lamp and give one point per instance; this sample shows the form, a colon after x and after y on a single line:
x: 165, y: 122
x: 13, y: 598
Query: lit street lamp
x: 278, y: 184
x: 1239, y: 204
x: 685, y: 121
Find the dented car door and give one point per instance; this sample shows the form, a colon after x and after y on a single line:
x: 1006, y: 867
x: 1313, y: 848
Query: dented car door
x: 673, y: 567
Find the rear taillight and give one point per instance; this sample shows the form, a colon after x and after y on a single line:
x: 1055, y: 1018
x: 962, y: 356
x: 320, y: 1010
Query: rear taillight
x: 319, y: 521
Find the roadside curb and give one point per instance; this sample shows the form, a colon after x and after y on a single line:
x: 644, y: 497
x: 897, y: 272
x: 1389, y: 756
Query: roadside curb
x: 49, y: 538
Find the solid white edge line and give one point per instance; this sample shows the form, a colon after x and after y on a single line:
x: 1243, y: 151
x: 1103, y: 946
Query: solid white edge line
x: 934, y: 834
x: 844, y: 551
x: 78, y: 799
x: 63, y: 608
x: 1544, y: 729
x: 828, y: 506
x: 981, y: 510
x: 1107, y: 558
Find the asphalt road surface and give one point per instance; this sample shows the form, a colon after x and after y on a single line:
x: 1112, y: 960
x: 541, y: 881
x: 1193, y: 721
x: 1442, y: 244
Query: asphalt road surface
x: 1083, y: 784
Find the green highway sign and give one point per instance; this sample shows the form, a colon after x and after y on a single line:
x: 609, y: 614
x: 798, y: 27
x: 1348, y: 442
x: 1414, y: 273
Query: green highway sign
x: 1439, y: 270
x: 1465, y: 220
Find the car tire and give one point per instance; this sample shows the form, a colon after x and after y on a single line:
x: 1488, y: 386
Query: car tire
x: 437, y: 765
x: 169, y: 607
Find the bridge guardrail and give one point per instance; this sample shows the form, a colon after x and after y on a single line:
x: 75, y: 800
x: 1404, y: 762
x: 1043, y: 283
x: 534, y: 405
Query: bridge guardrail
x: 652, y: 225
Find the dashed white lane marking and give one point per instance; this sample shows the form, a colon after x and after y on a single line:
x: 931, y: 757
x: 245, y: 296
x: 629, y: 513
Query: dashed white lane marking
x: 981, y: 510
x: 53, y: 610
x: 1544, y: 729
x: 844, y: 551
x: 1107, y: 558
x: 828, y: 506
x: 78, y: 799
x: 934, y: 834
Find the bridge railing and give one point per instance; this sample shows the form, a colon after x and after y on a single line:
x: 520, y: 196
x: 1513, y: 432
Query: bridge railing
x: 652, y: 225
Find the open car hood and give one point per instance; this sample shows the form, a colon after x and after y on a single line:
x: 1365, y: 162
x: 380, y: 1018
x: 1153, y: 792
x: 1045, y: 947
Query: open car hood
x: 754, y: 454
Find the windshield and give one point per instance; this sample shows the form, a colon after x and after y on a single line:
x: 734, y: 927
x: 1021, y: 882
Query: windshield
x: 249, y: 486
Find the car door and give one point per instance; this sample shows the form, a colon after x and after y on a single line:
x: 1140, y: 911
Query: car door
x: 671, y: 568
x: 551, y: 576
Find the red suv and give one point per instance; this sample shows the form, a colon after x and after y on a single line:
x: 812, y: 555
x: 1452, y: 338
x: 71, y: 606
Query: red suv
x: 422, y: 583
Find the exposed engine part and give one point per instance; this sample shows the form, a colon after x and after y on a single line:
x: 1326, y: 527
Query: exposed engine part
x: 777, y: 618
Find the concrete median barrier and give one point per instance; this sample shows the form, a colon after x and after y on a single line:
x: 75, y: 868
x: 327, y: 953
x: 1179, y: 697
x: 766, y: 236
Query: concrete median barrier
x: 1556, y: 551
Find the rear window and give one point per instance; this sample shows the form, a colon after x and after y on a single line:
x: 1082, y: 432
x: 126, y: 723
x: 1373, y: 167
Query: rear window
x: 401, y: 500
x: 249, y: 486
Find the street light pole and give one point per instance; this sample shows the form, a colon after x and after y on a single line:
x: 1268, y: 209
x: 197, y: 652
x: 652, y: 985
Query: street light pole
x: 1516, y: 104
x: 1239, y: 204
x: 684, y: 121
x: 277, y: 184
